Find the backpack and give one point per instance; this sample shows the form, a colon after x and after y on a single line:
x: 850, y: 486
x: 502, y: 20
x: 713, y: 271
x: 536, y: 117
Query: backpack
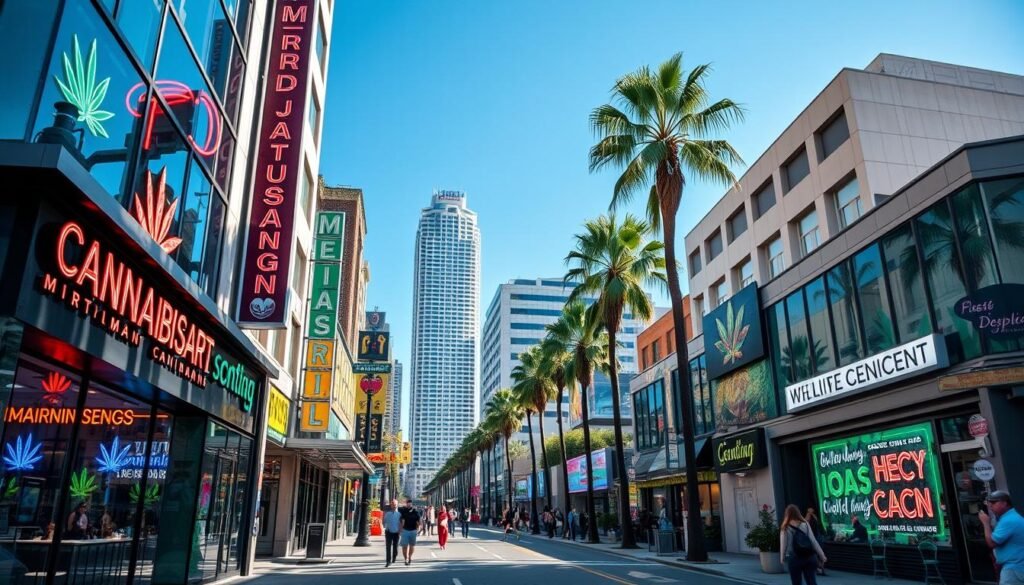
x: 802, y: 545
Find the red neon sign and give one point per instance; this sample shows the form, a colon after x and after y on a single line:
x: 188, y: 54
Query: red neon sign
x: 107, y: 289
x: 267, y: 262
x: 176, y: 93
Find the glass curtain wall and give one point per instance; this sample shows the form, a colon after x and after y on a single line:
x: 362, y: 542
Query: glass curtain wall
x: 906, y: 286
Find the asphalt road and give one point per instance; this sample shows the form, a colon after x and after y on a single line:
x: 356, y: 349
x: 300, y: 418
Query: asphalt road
x: 483, y: 559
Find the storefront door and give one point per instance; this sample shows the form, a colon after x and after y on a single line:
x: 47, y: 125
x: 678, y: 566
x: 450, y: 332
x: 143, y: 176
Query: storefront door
x: 218, y: 538
x: 267, y: 516
x: 746, y: 516
x: 970, y: 490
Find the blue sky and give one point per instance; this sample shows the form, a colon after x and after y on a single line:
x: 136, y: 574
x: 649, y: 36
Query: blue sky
x: 492, y: 98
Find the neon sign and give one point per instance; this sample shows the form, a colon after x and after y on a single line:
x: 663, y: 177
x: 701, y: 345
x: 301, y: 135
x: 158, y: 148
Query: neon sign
x: 64, y: 416
x: 155, y: 216
x: 267, y: 260
x: 176, y: 93
x: 54, y: 387
x: 234, y: 379
x: 113, y: 459
x: 24, y: 455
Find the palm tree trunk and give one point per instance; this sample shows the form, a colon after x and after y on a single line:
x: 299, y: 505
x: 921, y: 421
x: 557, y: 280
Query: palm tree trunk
x: 592, y: 536
x: 561, y: 446
x: 695, y: 549
x: 545, y: 468
x: 625, y: 518
x: 508, y: 468
x: 534, y: 525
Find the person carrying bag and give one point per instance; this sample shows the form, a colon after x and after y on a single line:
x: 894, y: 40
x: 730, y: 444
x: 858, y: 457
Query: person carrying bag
x: 798, y: 548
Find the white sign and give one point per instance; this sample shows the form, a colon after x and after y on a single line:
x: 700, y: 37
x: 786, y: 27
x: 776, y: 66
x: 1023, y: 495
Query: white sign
x: 909, y: 359
x: 984, y: 470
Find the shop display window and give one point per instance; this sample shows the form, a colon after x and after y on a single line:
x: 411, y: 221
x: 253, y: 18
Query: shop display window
x: 88, y: 78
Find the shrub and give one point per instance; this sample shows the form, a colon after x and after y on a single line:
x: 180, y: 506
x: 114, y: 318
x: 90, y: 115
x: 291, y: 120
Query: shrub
x: 765, y: 535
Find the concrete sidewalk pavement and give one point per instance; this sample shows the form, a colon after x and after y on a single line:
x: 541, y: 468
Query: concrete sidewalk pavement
x: 740, y: 567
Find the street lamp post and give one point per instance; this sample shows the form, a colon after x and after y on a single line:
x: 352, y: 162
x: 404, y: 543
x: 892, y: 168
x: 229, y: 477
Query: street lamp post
x: 363, y: 537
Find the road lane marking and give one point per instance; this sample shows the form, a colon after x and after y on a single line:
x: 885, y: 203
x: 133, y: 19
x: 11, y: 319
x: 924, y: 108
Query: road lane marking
x: 480, y: 547
x: 497, y: 556
x: 456, y: 582
x: 650, y: 577
x: 605, y: 575
x: 432, y: 555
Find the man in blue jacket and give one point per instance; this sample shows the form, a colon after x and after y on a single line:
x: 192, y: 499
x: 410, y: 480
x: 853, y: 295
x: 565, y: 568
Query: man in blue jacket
x: 1007, y: 538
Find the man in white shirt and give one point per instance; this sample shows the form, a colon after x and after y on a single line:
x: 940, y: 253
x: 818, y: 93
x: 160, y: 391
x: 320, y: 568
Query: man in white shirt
x: 392, y: 530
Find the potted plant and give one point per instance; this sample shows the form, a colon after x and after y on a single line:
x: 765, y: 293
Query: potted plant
x: 765, y: 537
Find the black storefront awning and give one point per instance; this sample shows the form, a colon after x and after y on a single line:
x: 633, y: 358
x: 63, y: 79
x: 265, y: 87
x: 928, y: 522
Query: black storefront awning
x: 671, y: 461
x: 345, y: 456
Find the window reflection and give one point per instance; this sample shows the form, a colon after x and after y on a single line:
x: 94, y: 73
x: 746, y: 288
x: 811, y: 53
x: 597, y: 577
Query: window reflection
x: 906, y: 287
x: 139, y: 21
x: 195, y: 212
x: 841, y: 292
x: 820, y: 325
x: 25, y: 30
x: 874, y: 308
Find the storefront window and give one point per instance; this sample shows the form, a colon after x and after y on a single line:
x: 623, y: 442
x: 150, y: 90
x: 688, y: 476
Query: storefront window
x: 140, y: 24
x: 37, y: 435
x: 871, y: 293
x: 1005, y: 203
x: 841, y: 287
x: 905, y: 285
x: 24, y: 31
x: 946, y: 282
x: 977, y: 258
x: 778, y: 341
x: 799, y: 358
x: 820, y: 326
x: 89, y: 70
x: 195, y: 210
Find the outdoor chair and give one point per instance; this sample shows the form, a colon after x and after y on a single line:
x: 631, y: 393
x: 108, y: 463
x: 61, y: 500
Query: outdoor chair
x: 930, y: 559
x: 879, y: 567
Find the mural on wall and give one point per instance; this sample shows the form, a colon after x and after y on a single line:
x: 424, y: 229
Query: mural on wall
x: 744, y: 397
x: 732, y: 333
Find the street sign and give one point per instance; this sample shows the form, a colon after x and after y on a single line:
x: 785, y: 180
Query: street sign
x: 371, y: 368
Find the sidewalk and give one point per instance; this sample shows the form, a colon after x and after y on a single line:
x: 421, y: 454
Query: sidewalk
x: 336, y: 551
x: 740, y: 567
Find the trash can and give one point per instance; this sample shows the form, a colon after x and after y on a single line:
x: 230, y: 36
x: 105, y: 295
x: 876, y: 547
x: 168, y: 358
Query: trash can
x: 666, y: 542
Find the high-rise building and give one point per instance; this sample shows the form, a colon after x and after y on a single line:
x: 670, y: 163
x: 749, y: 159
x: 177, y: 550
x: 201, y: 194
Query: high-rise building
x: 393, y: 419
x: 446, y: 322
x: 516, y: 320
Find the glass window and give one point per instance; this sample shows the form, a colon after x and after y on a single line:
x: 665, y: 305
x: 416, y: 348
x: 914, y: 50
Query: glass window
x: 25, y: 30
x: 848, y: 203
x: 695, y: 262
x: 808, y: 225
x: 745, y: 272
x: 214, y: 236
x: 721, y: 292
x: 140, y: 23
x: 764, y: 199
x: 226, y: 68
x: 905, y: 285
x: 195, y: 209
x: 201, y: 18
x: 874, y: 309
x: 841, y: 292
x: 106, y: 133
x: 737, y: 223
x: 945, y: 281
x: 314, y: 119
x: 164, y: 151
x: 714, y: 245
x: 1005, y: 203
x: 778, y: 341
x: 797, y: 358
x: 655, y: 354
x: 975, y: 245
x: 34, y: 459
x: 833, y: 135
x: 822, y: 353
x: 321, y: 45
x: 796, y: 169
x: 305, y: 193
x: 776, y: 263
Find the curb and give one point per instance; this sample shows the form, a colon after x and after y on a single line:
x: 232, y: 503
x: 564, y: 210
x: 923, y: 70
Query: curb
x: 707, y: 570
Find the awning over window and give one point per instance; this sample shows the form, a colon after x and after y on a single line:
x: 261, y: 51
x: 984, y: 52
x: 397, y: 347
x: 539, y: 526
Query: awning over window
x: 665, y: 462
x: 335, y: 455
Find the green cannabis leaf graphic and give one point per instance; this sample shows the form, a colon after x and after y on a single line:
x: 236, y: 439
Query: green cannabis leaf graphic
x: 80, y: 88
x: 731, y: 335
x: 82, y: 484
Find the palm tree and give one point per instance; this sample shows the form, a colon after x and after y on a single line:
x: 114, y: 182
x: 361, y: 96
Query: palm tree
x: 534, y: 384
x: 485, y: 445
x: 616, y: 261
x: 507, y: 414
x: 665, y: 126
x: 554, y: 359
x: 527, y: 405
x: 578, y: 333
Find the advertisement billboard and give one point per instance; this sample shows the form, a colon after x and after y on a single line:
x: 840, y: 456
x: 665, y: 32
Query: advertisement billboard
x: 577, y: 469
x: 599, y: 401
x: 732, y: 333
x: 889, y: 480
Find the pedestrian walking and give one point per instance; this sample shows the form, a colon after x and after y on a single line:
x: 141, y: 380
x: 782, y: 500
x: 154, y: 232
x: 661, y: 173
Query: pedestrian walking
x: 510, y: 525
x: 453, y: 517
x: 392, y: 532
x: 798, y: 548
x: 442, y: 527
x: 1007, y: 538
x: 431, y: 520
x: 573, y: 524
x: 464, y: 519
x: 559, y: 522
x: 818, y: 530
x: 423, y: 521
x: 410, y: 527
x: 548, y: 519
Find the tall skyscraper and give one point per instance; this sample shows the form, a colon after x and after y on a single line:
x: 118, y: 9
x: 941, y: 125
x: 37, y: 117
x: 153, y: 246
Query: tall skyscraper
x: 393, y: 418
x: 446, y: 319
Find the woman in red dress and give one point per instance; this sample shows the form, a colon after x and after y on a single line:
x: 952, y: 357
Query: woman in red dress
x: 442, y: 527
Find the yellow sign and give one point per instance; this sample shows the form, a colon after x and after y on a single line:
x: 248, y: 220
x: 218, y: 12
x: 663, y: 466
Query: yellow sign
x: 405, y: 457
x: 317, y: 385
x: 315, y: 417
x: 319, y: 354
x: 378, y: 382
x: 277, y: 412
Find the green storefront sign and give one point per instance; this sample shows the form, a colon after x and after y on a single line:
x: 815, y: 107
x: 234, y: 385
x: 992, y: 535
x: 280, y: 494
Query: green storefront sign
x: 889, y: 480
x: 326, y: 277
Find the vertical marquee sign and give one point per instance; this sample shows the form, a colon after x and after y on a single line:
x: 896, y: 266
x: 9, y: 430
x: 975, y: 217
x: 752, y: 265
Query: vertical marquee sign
x: 268, y: 249
x: 322, y: 326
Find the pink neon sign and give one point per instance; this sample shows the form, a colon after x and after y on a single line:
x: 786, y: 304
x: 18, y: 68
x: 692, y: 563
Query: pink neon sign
x: 176, y: 93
